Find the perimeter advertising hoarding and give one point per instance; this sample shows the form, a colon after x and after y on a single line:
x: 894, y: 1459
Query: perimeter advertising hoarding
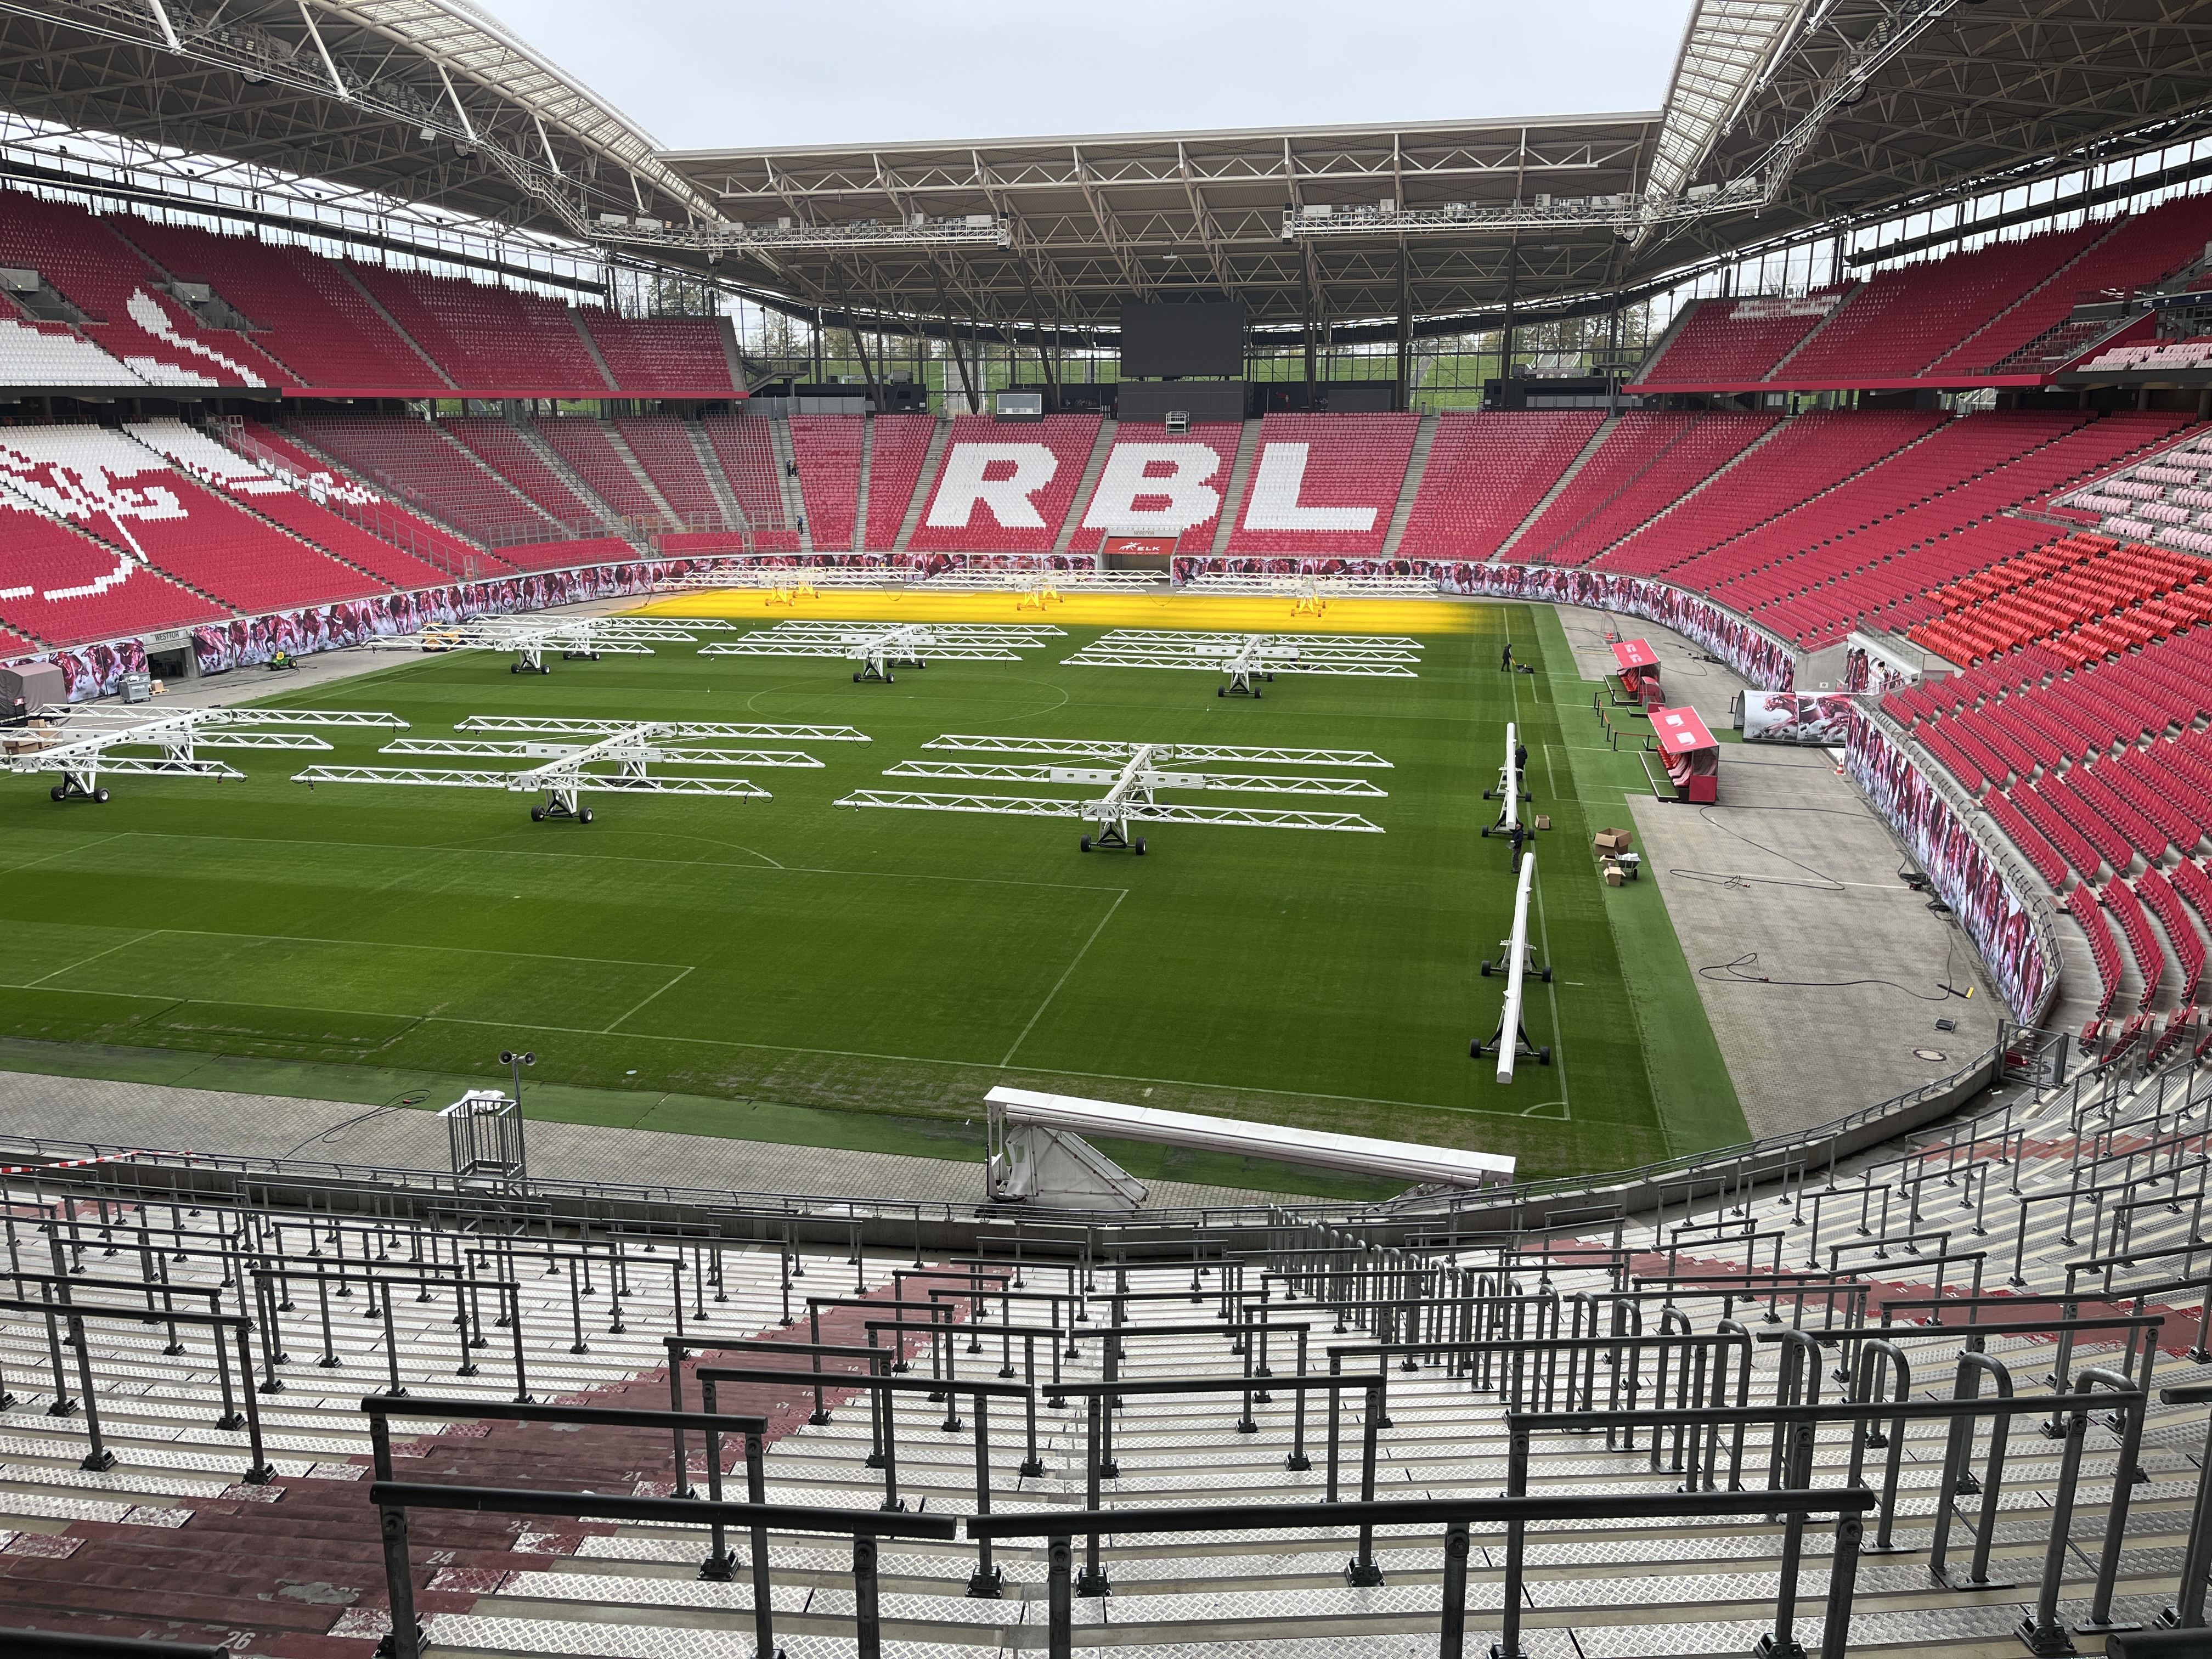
x: 1788, y: 717
x: 1137, y: 552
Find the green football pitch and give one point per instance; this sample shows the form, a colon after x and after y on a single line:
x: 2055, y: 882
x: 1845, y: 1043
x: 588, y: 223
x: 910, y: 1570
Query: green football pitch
x: 896, y: 964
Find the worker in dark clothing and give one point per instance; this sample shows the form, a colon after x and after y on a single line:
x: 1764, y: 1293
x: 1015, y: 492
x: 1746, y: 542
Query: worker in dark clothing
x: 1519, y: 764
x: 1506, y: 666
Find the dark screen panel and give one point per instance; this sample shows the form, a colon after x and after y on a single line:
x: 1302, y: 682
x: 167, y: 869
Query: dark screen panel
x: 1182, y: 339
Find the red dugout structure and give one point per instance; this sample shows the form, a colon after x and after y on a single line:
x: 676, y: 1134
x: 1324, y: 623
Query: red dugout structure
x: 1692, y: 753
x: 1638, y: 672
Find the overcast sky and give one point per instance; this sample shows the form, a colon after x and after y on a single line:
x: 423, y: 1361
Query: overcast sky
x: 708, y: 74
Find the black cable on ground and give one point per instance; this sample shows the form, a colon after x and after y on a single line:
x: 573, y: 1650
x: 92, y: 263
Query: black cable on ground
x: 399, y: 1102
x: 1822, y: 882
x: 1738, y: 972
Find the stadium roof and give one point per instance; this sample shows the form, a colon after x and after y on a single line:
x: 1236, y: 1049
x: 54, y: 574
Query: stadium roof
x: 1782, y: 117
x: 430, y: 103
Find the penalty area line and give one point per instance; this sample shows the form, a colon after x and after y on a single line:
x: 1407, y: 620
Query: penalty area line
x: 1119, y: 895
x: 62, y: 852
x: 169, y: 1002
x: 70, y: 968
x: 670, y: 986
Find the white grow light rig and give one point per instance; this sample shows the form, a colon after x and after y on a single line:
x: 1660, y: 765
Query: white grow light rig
x: 578, y: 754
x: 1247, y: 659
x: 84, y: 742
x: 880, y: 647
x: 578, y: 639
x: 1131, y: 785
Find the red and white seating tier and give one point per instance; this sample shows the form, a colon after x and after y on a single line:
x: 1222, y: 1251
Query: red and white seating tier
x: 1485, y: 473
x: 486, y: 336
x: 2166, y: 497
x: 68, y: 574
x: 2193, y: 352
x: 307, y: 312
x: 425, y: 466
x: 276, y: 499
x: 2095, y: 771
x: 1324, y: 484
x: 746, y: 449
x: 1810, y: 456
x: 1646, y: 463
x: 312, y: 323
x: 1006, y: 488
x: 588, y: 446
x: 898, y: 448
x: 1155, y: 484
x: 662, y: 356
x: 2141, y: 250
x: 1734, y: 342
x: 663, y: 448
x: 149, y: 338
x: 106, y: 533
x: 1950, y: 320
x: 131, y: 495
x: 316, y: 476
x: 827, y: 449
x: 2082, y: 597
x: 1867, y: 551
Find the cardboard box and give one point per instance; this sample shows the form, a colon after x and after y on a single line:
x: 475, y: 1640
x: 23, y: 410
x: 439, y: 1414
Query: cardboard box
x: 1611, y: 841
x: 1614, y: 876
x: 1543, y: 820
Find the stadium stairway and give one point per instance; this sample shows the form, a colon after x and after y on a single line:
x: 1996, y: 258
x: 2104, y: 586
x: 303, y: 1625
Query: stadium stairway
x: 1093, y: 465
x: 787, y: 483
x: 609, y: 516
x: 2092, y: 1192
x: 1560, y: 485
x: 924, y: 482
x: 711, y: 468
x: 1240, y: 475
x: 1417, y: 467
x: 862, y: 485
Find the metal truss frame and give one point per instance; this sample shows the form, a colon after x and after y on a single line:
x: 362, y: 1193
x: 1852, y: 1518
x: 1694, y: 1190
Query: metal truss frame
x: 1247, y: 659
x: 1109, y: 749
x: 792, y: 576
x: 1042, y: 587
x: 698, y: 730
x: 880, y: 647
x: 578, y: 639
x: 1130, y: 784
x: 178, y: 738
x: 1253, y: 782
x: 1784, y: 117
x: 633, y: 748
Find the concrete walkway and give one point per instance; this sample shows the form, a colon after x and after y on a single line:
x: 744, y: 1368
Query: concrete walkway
x: 1794, y: 878
x: 161, y: 1118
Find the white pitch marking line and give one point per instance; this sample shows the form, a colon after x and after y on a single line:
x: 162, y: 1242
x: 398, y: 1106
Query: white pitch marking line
x: 84, y: 846
x: 610, y: 858
x: 72, y: 966
x: 834, y: 1053
x: 670, y: 985
x: 1119, y: 893
x: 401, y: 945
